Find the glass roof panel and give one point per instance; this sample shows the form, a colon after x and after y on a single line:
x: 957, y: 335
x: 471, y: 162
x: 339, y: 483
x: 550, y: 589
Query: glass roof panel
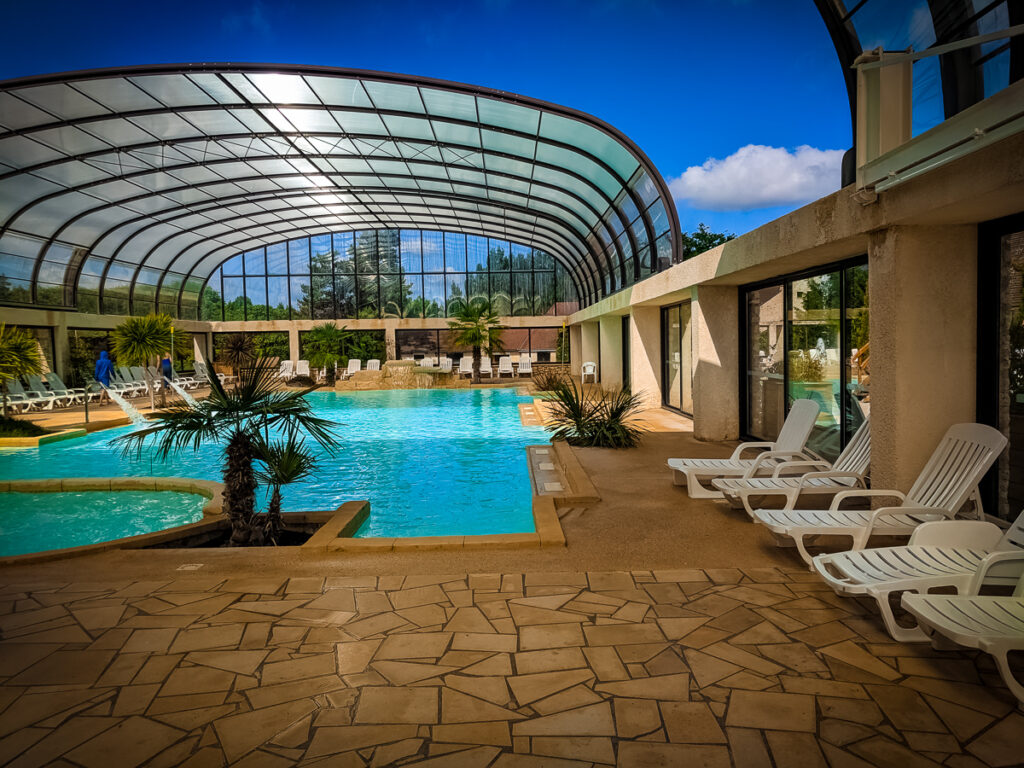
x: 311, y: 120
x: 20, y: 151
x: 72, y: 173
x: 508, y: 143
x: 505, y: 115
x: 61, y: 100
x: 339, y: 91
x: 454, y: 133
x: 461, y: 106
x: 284, y: 89
x: 409, y: 127
x: 172, y: 90
x: 573, y: 161
x: 360, y: 122
x: 15, y: 113
x: 166, y: 126
x: 590, y: 140
x: 221, y: 92
x: 70, y: 140
x: 401, y: 98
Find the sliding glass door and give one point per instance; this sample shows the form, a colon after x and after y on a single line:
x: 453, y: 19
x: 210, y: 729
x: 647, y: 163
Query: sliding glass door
x: 677, y: 360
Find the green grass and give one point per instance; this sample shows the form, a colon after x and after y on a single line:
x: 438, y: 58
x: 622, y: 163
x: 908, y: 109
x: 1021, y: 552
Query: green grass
x: 18, y: 428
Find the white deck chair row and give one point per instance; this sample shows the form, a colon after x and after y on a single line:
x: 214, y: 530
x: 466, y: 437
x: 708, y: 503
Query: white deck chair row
x: 789, y: 446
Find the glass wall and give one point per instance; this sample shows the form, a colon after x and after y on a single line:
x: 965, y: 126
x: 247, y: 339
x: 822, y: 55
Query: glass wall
x: 541, y: 344
x: 677, y: 357
x: 807, y: 337
x: 386, y: 273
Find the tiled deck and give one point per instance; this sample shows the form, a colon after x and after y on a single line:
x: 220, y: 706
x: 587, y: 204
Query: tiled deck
x: 665, y: 668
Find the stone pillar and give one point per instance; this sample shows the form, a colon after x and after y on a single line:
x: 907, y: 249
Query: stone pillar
x: 293, y: 342
x: 611, y: 352
x: 390, y: 342
x: 716, y: 360
x: 61, y: 345
x: 575, y: 349
x: 590, y: 343
x: 922, y: 284
x: 645, y: 354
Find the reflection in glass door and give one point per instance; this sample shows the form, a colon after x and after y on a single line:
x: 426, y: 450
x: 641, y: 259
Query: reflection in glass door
x: 677, y: 368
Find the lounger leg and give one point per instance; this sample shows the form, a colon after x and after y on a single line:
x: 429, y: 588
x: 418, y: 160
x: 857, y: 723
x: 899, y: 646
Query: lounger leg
x: 1003, y: 664
x: 899, y: 634
x: 698, y: 491
x: 807, y: 558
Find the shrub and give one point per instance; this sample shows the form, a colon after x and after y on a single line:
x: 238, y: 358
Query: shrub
x: 547, y: 379
x: 600, y: 421
x: 804, y: 367
x: 17, y: 428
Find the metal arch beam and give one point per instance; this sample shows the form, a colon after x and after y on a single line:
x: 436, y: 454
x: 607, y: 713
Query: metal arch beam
x: 848, y: 47
x: 362, y: 75
x: 319, y: 231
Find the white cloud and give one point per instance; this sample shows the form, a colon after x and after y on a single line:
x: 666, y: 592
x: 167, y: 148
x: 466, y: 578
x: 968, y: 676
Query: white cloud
x: 756, y: 176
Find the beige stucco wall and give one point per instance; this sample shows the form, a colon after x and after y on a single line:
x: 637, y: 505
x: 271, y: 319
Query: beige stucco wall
x: 645, y: 354
x: 611, y: 352
x: 715, y: 362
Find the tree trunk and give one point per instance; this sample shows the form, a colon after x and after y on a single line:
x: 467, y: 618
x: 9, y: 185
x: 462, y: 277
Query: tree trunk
x: 476, y: 365
x: 331, y: 373
x: 239, y: 487
x: 273, y: 525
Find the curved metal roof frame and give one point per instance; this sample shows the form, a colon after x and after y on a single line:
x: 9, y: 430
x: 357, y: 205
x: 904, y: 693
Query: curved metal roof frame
x: 176, y: 167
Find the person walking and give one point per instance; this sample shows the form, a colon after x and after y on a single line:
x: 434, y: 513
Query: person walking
x: 104, y: 367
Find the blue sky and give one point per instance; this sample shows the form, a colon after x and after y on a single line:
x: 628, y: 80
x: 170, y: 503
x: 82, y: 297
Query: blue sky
x: 740, y: 104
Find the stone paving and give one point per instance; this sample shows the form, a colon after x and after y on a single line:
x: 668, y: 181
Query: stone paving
x: 754, y: 667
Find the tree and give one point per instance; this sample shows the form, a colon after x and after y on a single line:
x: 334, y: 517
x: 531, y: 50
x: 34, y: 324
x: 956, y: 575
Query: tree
x: 324, y: 347
x: 284, y: 462
x: 476, y: 326
x: 144, y: 340
x: 240, y: 419
x: 19, y: 356
x: 702, y: 240
x: 237, y: 350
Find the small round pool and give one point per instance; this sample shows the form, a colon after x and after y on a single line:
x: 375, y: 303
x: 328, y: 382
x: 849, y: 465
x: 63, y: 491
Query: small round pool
x: 38, y: 522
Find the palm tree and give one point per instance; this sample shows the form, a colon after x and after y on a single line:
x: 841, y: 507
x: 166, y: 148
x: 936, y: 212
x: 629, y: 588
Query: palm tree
x: 19, y: 356
x: 239, y: 419
x: 323, y: 348
x: 284, y: 462
x: 143, y: 340
x: 237, y: 350
x: 476, y: 326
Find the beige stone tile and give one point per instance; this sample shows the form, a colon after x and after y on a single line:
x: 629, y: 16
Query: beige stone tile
x: 190, y: 719
x: 16, y: 657
x: 743, y: 658
x: 426, y: 616
x: 882, y: 751
x: 549, y: 660
x: 933, y: 742
x: 60, y: 740
x: 665, y: 687
x: 527, y: 688
x: 477, y: 641
x: 368, y: 603
x: 747, y: 681
x: 270, y: 695
x: 591, y: 720
x: 1001, y: 745
x: 571, y: 698
x: 206, y: 757
x: 962, y: 671
x: 298, y: 669
x: 823, y: 634
x: 410, y: 598
x: 191, y: 680
x: 498, y: 664
x: 841, y: 732
x: 407, y: 672
x: 708, y: 670
x: 305, y: 585
x: 665, y: 663
x: 795, y: 750
x: 676, y: 628
x: 65, y: 668
x: 748, y: 749
x: 905, y: 708
x: 332, y: 740
x: 796, y: 656
x: 635, y: 717
x: 149, y: 640
x: 493, y: 689
x: 381, y: 622
x: 771, y: 711
x: 415, y: 645
x: 686, y: 575
x: 690, y: 722
x: 19, y: 742
x: 550, y: 636
x: 200, y: 639
x: 962, y: 722
x: 855, y: 711
x: 973, y: 696
x: 261, y: 586
x: 819, y: 687
x: 623, y: 634
x: 494, y: 733
x: 469, y: 619
x: 651, y: 755
x: 93, y: 619
x: 606, y: 663
x: 353, y: 658
x: 397, y: 705
x: 594, y: 749
x: 240, y: 662
x: 852, y: 654
x: 242, y: 733
x: 134, y: 699
x: 133, y: 741
x: 457, y: 707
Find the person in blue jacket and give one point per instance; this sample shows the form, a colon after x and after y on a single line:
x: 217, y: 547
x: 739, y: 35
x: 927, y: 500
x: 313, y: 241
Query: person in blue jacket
x: 166, y: 369
x: 104, y: 367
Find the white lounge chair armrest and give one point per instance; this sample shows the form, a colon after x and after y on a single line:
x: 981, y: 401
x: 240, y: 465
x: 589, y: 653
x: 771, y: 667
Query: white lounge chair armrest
x: 800, y: 467
x: 766, y: 456
x: 830, y: 475
x: 931, y: 512
x: 862, y: 493
x: 738, y: 453
x: 1008, y: 565
x: 967, y: 534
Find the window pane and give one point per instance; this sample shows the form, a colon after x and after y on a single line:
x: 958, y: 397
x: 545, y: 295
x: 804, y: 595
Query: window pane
x: 233, y: 266
x: 298, y: 256
x: 521, y: 257
x: 413, y: 292
x: 300, y: 297
x: 501, y: 301
x: 671, y: 333
x: 498, y: 254
x: 256, y: 297
x: 320, y: 257
x: 395, y: 292
x: 387, y: 251
x: 234, y: 298
x: 478, y: 287
x: 544, y: 293
x: 454, y: 252
x: 543, y: 260
x: 344, y: 253
x: 368, y: 299
x: 345, y: 295
x: 277, y: 259
x: 321, y: 296
x: 456, y: 287
x: 412, y: 260
x: 433, y: 252
x: 210, y: 307
x: 366, y: 252
x: 277, y: 297
x: 433, y: 296
x: 766, y: 402
x: 255, y: 263
x: 857, y: 401
x: 476, y: 253
x: 522, y: 293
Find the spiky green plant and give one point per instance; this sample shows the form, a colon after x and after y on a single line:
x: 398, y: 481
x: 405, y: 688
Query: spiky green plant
x: 19, y: 356
x: 476, y: 326
x: 284, y: 462
x: 597, y: 419
x: 238, y: 419
x: 237, y: 350
x: 144, y: 340
x: 323, y: 348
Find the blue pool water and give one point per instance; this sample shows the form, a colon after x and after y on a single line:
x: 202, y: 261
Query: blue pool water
x: 34, y: 522
x: 431, y: 462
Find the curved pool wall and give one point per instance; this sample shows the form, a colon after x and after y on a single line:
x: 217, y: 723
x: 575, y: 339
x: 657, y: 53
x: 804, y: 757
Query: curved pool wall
x: 59, y: 517
x: 431, y: 462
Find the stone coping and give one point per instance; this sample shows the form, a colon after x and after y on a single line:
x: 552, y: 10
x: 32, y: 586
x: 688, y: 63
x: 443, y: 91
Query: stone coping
x: 213, y: 511
x: 35, y: 442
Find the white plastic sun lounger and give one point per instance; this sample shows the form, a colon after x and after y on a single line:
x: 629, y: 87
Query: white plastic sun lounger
x: 991, y: 624
x: 286, y: 371
x: 426, y: 362
x: 809, y: 478
x: 78, y: 393
x: 466, y: 365
x: 525, y: 365
x: 302, y: 367
x: 373, y: 365
x: 942, y: 554
x: 354, y: 366
x: 18, y: 398
x: 949, y: 478
x: 788, y: 446
x: 445, y: 364
x: 485, y: 367
x: 35, y: 384
x: 505, y: 366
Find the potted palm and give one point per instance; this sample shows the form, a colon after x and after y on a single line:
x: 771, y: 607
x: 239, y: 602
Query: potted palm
x: 284, y: 462
x: 238, y: 351
x: 19, y: 356
x: 240, y: 420
x: 323, y: 345
x: 476, y: 326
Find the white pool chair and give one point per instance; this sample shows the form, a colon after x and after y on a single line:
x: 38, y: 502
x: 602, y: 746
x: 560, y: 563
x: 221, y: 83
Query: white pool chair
x: 943, y: 554
x: 354, y: 366
x: 426, y: 362
x: 485, y: 367
x: 139, y: 375
x: 44, y: 400
x: 795, y: 479
x: 505, y: 366
x: 373, y: 365
x: 466, y: 365
x: 185, y: 382
x: 525, y: 365
x: 79, y: 393
x: 287, y: 370
x: 302, y: 368
x: 18, y: 398
x: 991, y: 624
x: 588, y: 369
x: 949, y: 478
x: 445, y: 364
x: 60, y: 399
x: 790, y: 445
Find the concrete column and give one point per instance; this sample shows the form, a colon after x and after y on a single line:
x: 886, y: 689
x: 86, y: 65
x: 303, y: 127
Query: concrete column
x: 590, y: 343
x: 293, y: 343
x: 390, y: 341
x: 645, y: 354
x: 575, y: 349
x: 61, y: 345
x: 716, y: 360
x: 611, y: 352
x: 922, y: 284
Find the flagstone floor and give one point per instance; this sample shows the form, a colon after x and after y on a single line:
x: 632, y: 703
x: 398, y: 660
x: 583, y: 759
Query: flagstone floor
x: 754, y: 667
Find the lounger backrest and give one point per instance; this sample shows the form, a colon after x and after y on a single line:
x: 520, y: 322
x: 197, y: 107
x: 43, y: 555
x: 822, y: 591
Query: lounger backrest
x: 525, y: 364
x: 446, y: 364
x: 302, y: 368
x: 286, y: 368
x: 36, y: 385
x: 14, y: 387
x: 355, y: 365
x: 798, y: 425
x: 1014, y: 536
x: 485, y: 363
x: 957, y: 465
x: 505, y: 364
x: 55, y: 382
x: 373, y: 365
x: 589, y: 368
x: 466, y: 364
x: 856, y: 456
